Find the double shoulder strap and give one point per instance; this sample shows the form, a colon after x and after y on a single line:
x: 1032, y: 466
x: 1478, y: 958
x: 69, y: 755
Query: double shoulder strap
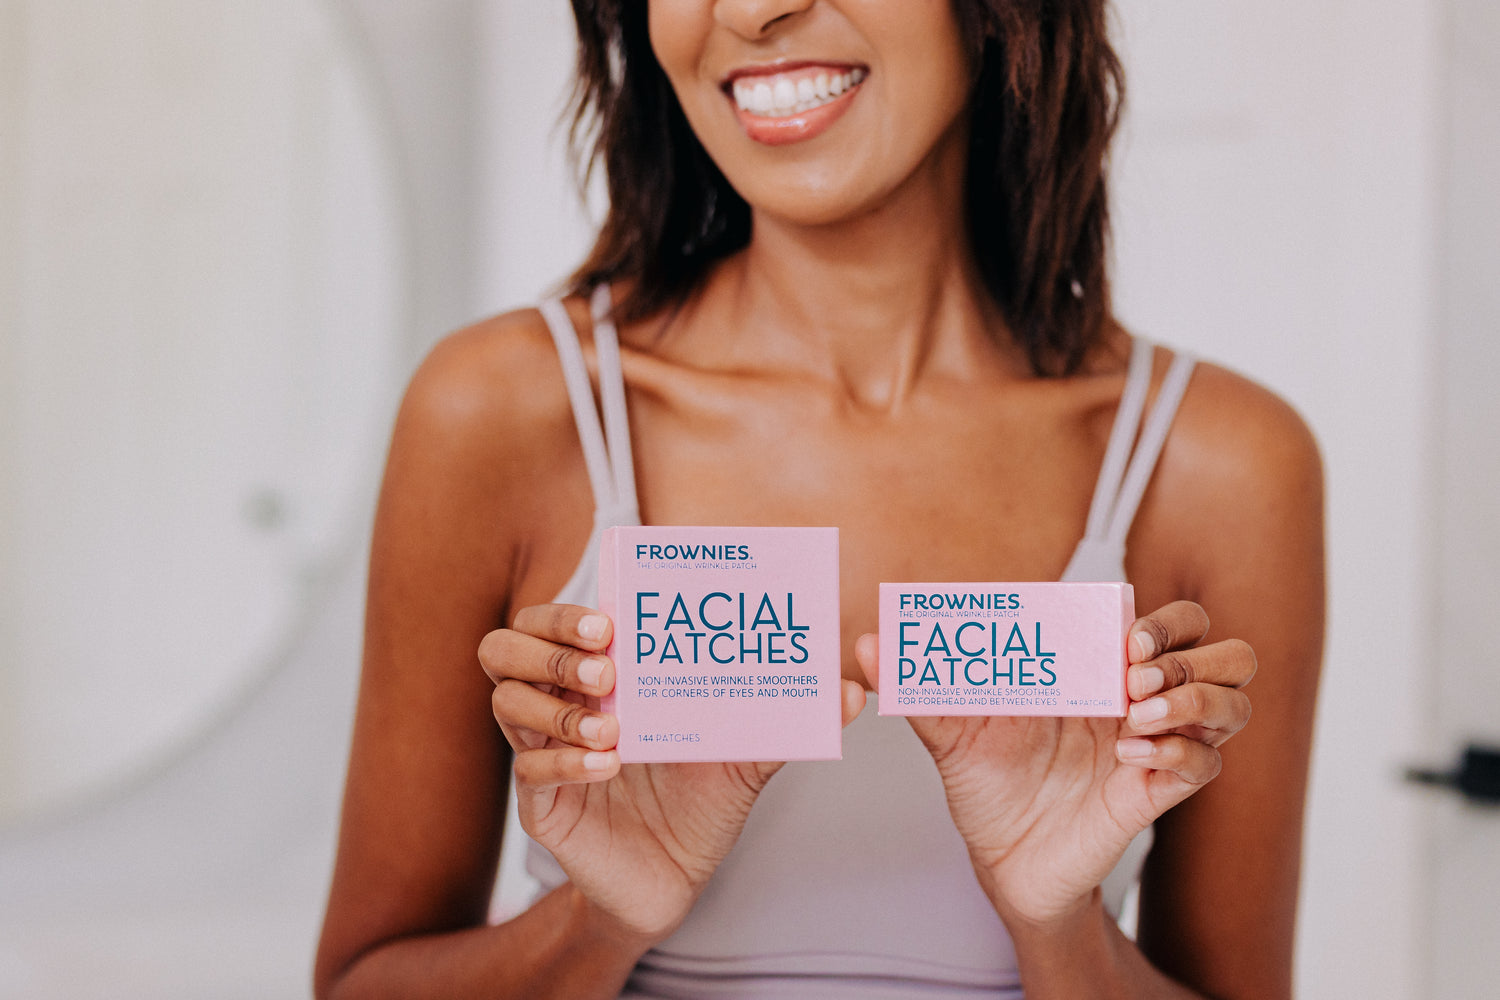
x: 606, y: 452
x: 1117, y: 495
x: 1129, y: 458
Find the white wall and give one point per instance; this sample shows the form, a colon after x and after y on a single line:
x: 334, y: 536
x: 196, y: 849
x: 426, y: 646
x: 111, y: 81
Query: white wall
x: 1463, y: 918
x: 202, y: 875
x: 11, y: 55
x: 1277, y: 199
x: 202, y: 347
x: 532, y: 228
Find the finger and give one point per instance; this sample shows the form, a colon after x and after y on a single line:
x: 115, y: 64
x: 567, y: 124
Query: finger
x: 1220, y: 711
x: 867, y: 655
x: 565, y: 766
x: 567, y: 624
x: 509, y: 653
x: 518, y: 704
x: 1175, y: 626
x: 520, y: 739
x: 1230, y: 663
x: 757, y: 774
x: 1179, y: 766
x: 853, y: 699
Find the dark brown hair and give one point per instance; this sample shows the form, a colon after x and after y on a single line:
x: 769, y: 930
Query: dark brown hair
x: 1045, y: 102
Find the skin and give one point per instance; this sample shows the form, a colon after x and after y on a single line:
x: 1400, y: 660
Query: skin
x: 854, y: 325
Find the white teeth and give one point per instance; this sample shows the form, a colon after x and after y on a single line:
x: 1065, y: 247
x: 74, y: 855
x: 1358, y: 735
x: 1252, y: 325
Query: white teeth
x: 782, y: 96
x: 786, y: 95
x: 761, y: 100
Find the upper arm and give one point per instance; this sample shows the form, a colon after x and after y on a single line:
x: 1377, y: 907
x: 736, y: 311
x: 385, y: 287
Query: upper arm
x: 475, y: 448
x: 1238, y: 514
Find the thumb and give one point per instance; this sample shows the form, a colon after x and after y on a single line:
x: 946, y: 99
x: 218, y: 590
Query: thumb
x: 853, y: 699
x: 867, y: 655
x: 936, y: 732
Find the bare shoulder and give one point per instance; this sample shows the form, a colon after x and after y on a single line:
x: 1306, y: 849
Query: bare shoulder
x: 485, y: 455
x: 490, y: 400
x: 500, y: 374
x: 1241, y: 472
x: 1241, y: 435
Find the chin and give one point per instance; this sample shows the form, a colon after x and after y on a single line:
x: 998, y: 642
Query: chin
x: 811, y: 203
x: 809, y: 212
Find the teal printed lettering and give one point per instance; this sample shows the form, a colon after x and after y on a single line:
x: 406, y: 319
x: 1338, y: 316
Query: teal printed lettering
x: 703, y: 612
x: 691, y: 631
x: 958, y: 639
x: 673, y: 616
x: 688, y: 553
x: 641, y: 614
x: 960, y: 602
x: 799, y: 643
x: 769, y: 614
x: 713, y: 650
x: 973, y: 654
x: 902, y: 642
x: 669, y: 650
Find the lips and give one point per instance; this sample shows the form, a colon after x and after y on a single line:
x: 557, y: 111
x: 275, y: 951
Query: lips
x: 782, y: 104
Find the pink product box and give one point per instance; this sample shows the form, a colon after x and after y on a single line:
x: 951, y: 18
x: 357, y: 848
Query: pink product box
x: 726, y: 642
x: 1048, y: 649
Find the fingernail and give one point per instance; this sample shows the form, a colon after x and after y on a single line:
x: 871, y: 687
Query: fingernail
x: 1144, y: 644
x: 1144, y: 712
x: 589, y: 728
x: 597, y: 760
x: 1149, y: 680
x: 592, y: 626
x: 1133, y: 749
x: 591, y: 670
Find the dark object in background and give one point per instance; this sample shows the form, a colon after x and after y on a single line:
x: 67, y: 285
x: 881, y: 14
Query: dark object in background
x: 1477, y: 777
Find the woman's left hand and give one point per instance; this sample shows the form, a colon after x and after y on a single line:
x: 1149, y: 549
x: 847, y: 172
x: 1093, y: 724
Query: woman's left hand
x: 1047, y: 806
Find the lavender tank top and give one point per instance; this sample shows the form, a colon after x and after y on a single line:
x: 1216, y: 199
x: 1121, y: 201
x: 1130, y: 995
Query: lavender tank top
x: 849, y: 880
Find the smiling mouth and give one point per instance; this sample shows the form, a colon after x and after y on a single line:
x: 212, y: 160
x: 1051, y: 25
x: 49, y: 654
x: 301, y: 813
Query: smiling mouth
x: 793, y: 92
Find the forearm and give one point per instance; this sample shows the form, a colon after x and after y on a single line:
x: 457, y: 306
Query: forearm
x: 1085, y: 956
x: 559, y: 948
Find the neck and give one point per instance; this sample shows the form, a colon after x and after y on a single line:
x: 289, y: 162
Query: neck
x: 872, y: 302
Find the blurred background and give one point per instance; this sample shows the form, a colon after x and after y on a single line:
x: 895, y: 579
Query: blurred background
x: 229, y: 230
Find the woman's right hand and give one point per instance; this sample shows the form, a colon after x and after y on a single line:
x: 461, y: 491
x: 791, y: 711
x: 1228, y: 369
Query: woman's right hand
x: 639, y: 842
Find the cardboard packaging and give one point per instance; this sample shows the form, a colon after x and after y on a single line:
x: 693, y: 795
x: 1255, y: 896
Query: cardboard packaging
x: 1042, y: 649
x: 726, y: 642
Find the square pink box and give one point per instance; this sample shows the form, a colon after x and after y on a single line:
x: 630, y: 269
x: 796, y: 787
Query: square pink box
x: 1045, y: 649
x: 726, y: 643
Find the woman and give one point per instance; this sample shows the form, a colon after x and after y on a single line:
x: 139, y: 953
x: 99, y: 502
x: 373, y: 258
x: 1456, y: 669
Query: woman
x: 853, y: 274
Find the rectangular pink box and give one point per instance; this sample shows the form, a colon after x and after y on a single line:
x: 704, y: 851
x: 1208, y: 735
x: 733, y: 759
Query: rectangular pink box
x: 1049, y: 649
x: 726, y: 642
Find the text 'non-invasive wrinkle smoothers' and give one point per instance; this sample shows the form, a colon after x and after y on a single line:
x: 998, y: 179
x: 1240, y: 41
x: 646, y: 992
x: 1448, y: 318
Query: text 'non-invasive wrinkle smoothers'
x: 1048, y: 649
x: 726, y: 642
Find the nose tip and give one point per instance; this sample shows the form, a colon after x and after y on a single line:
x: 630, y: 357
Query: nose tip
x: 755, y: 19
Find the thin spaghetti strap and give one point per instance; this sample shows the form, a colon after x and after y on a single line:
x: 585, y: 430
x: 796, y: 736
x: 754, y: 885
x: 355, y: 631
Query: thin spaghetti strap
x: 612, y: 398
x: 1148, y: 449
x: 581, y: 397
x: 1121, y: 438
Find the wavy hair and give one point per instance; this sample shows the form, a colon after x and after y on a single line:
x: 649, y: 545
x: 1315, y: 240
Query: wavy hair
x: 1045, y: 103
